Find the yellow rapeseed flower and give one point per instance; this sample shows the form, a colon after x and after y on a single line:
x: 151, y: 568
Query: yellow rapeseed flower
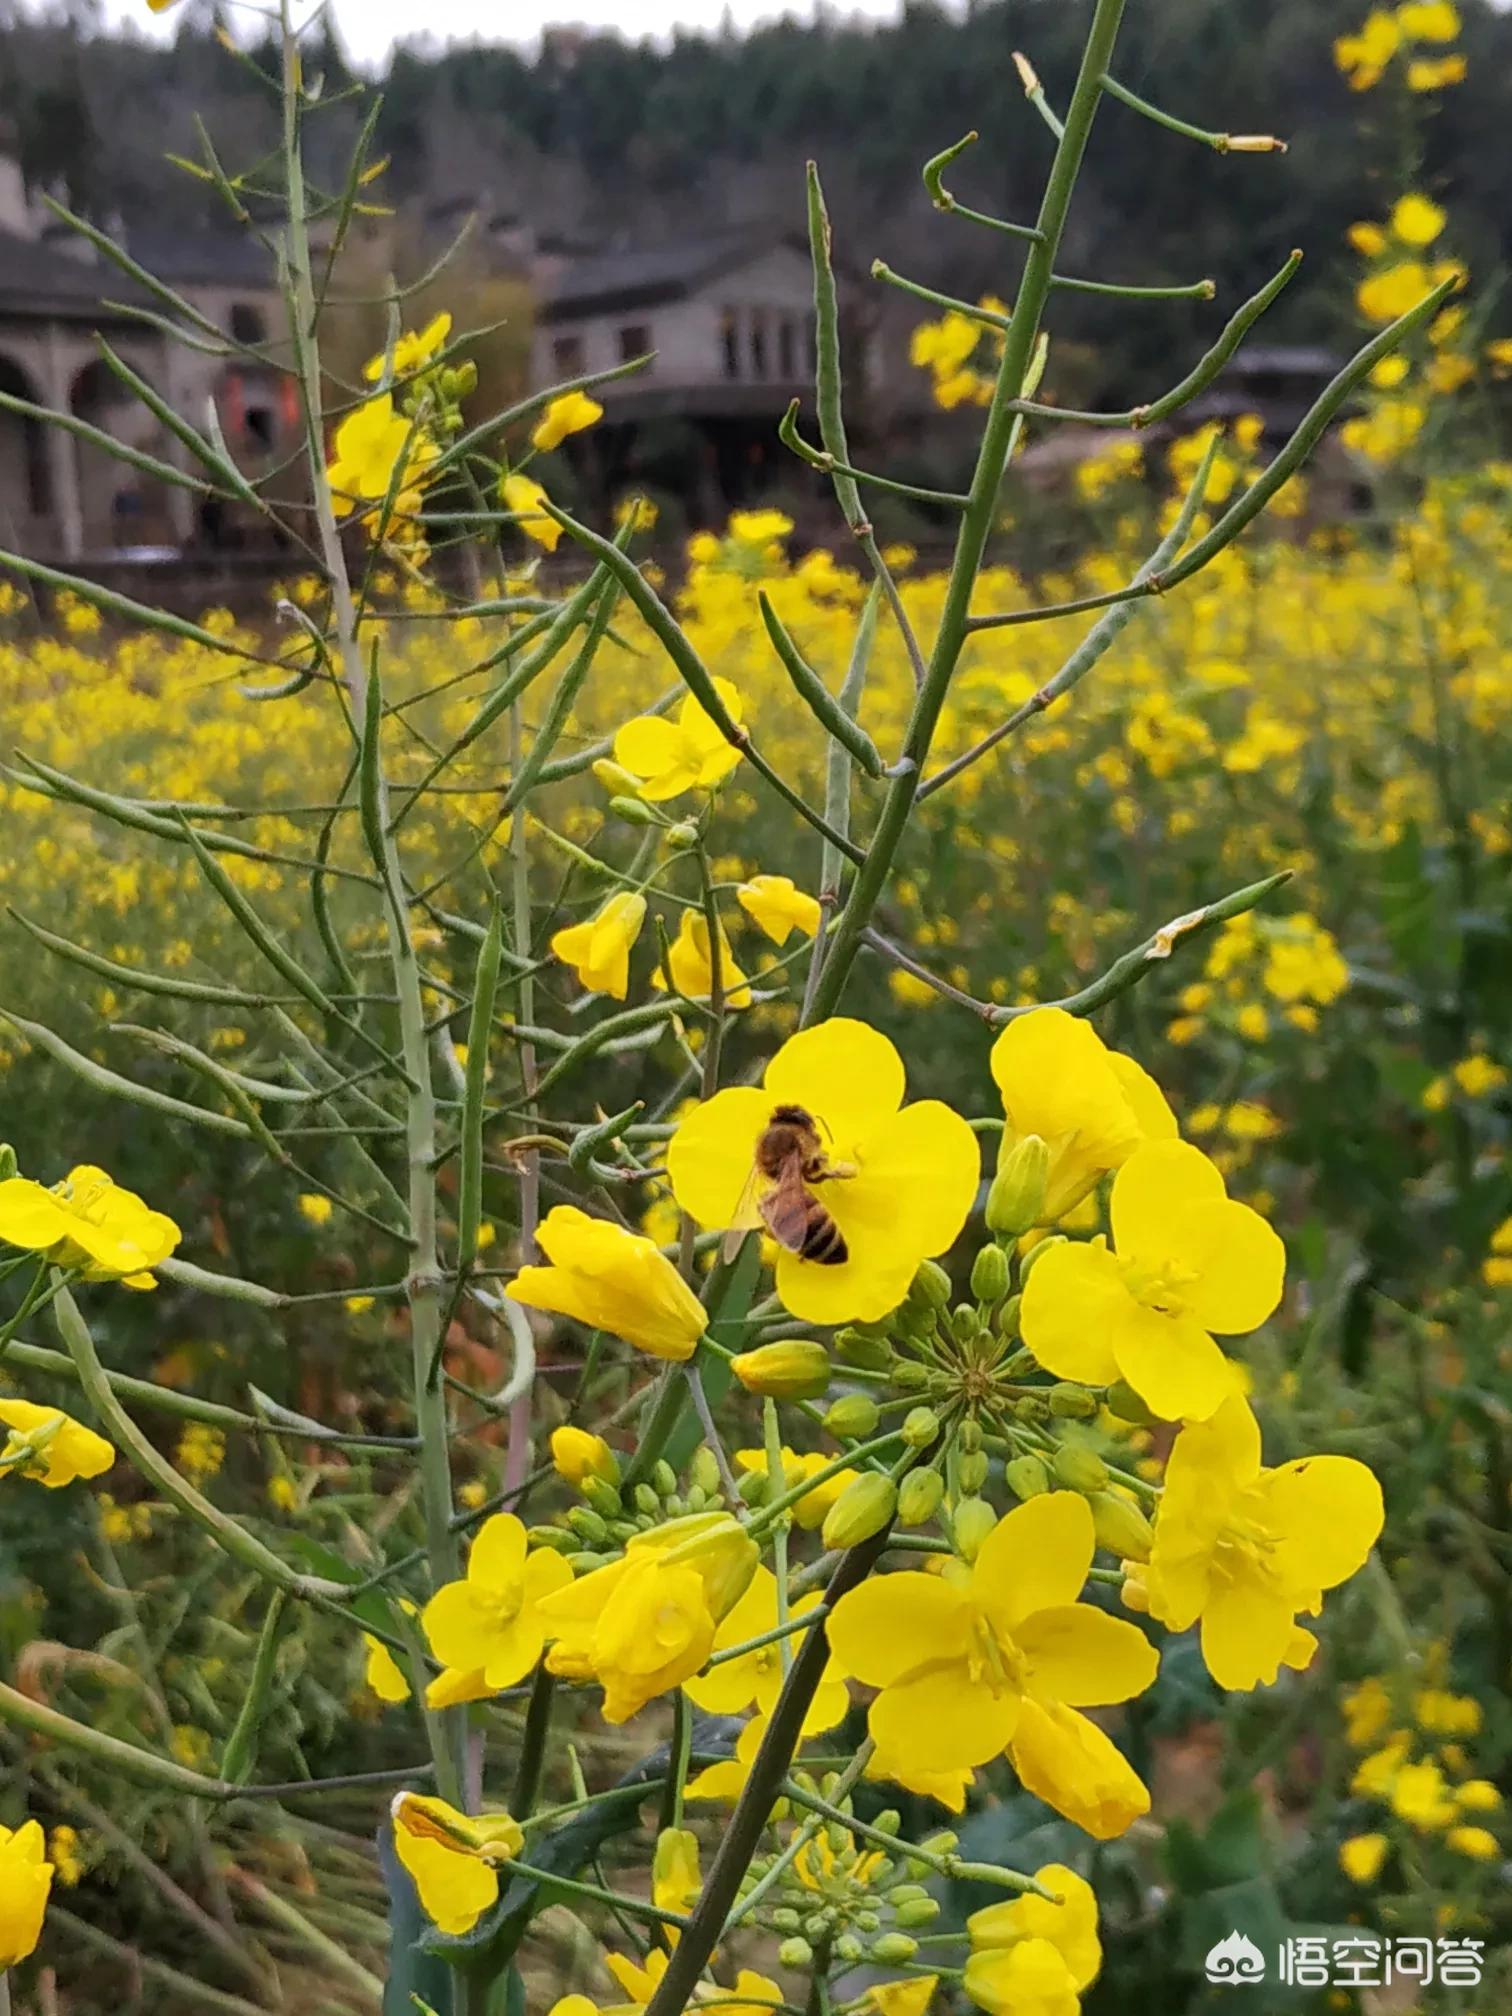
x: 1033, y: 1956
x: 754, y: 1679
x: 956, y: 1655
x: 903, y: 1179
x: 490, y: 1621
x: 524, y: 496
x: 568, y: 414
x: 779, y: 907
x: 88, y: 1222
x: 1185, y: 1261
x: 49, y: 1446
x: 577, y: 1455
x: 614, y: 1280
x: 1245, y: 1548
x: 25, y: 1879
x: 599, y: 948
x: 1361, y: 1856
x: 686, y: 754
x: 1417, y: 220
x: 372, y: 444
x: 692, y: 967
x: 453, y: 1857
x: 413, y: 350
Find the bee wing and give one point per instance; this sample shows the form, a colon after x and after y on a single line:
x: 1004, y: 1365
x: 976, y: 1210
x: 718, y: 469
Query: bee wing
x: 748, y: 1216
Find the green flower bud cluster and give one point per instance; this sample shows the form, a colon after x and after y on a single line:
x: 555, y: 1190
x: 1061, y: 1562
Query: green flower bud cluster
x: 596, y: 1530
x: 846, y: 1899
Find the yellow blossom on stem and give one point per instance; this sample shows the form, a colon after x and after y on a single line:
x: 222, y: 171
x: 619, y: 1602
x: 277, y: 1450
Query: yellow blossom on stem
x: 49, y: 1446
x: 453, y: 1857
x: 87, y: 1222
x: 1433, y: 74
x: 755, y: 1678
x: 524, y: 496
x: 491, y: 1620
x: 779, y: 907
x: 315, y: 1208
x: 810, y: 1510
x: 1417, y: 220
x: 1033, y: 1956
x: 599, y: 948
x: 692, y: 965
x: 372, y: 444
x: 1091, y: 1106
x: 455, y: 1688
x: 413, y: 350
x: 686, y: 754
x: 1361, y: 1856
x: 613, y: 1280
x: 675, y: 1876
x: 25, y: 1879
x: 577, y: 1455
x: 1185, y: 1261
x: 726, y: 1780
x: 956, y: 1655
x: 567, y: 414
x: 646, y: 1623
x: 1244, y: 1548
x: 901, y: 1998
x: 1066, y: 1760
x: 382, y: 1671
x: 897, y: 1180
x: 1363, y: 56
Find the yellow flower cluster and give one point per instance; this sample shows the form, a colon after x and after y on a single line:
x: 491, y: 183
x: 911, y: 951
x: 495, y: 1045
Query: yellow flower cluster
x: 1412, y: 1736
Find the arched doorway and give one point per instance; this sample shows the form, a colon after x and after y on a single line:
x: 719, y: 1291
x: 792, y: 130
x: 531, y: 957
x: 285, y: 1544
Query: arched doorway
x: 120, y: 506
x: 26, y: 499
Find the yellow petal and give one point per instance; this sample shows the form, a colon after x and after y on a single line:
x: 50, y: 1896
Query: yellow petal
x: 893, y: 1623
x: 455, y: 1888
x: 498, y: 1552
x: 648, y: 746
x: 943, y: 1719
x: 1084, y: 1657
x: 1066, y: 1760
x: 845, y: 1073
x: 1072, y: 1300
x: 1246, y: 1632
x: 1035, y: 1558
x: 711, y: 1157
x: 1153, y: 1191
x: 1327, y: 1513
x: 1171, y: 1362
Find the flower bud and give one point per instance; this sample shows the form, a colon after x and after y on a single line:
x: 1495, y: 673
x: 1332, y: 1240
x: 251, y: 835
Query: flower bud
x: 1121, y: 1527
x: 753, y: 1487
x: 969, y: 1434
x: 680, y: 837
x: 920, y: 1427
x: 646, y: 1500
x: 862, y: 1509
x: 784, y: 1918
x: 856, y: 1346
x: 974, y: 1519
x: 930, y: 1287
x: 1127, y: 1405
x: 919, y: 1497
x: 616, y: 780
x: 602, y: 1497
x: 893, y: 1948
x: 552, y: 1536
x: 1071, y: 1402
x: 1016, y: 1200
x: 1135, y: 1595
x: 915, y: 1912
x: 1008, y: 1316
x: 849, y: 1948
x: 577, y: 1456
x: 1079, y: 1468
x: 1026, y: 1477
x: 910, y: 1375
x: 1031, y: 1407
x: 663, y: 1478
x: 795, y: 1952
x: 721, y: 1550
x: 972, y: 1470
x: 796, y: 1369
x: 965, y: 1324
x: 942, y: 1844
x: 8, y: 1163
x: 867, y: 1921
x: 704, y: 1469
x: 584, y: 1520
x: 586, y: 1560
x: 634, y: 811
x: 854, y: 1416
x: 989, y: 1274
x: 1037, y: 1252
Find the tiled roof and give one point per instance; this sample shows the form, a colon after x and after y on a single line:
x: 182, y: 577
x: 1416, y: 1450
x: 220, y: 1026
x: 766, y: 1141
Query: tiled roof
x: 639, y: 277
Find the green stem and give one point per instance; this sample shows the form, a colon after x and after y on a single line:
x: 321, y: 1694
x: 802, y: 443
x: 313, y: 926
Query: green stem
x: 532, y: 1763
x: 976, y: 524
x: 241, y: 1745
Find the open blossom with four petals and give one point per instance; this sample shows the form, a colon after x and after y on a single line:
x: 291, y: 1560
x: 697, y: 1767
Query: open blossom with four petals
x: 754, y: 1679
x: 612, y: 1280
x: 453, y: 1857
x: 600, y: 946
x: 692, y: 966
x: 1091, y: 1106
x: 646, y: 1623
x: 25, y: 1879
x: 1033, y: 1956
x: 1245, y: 1548
x: 1186, y: 1260
x: 377, y: 450
x: 779, y: 906
x: 49, y: 1446
x: 88, y: 1222
x: 958, y: 1655
x: 491, y: 1621
x: 688, y: 754
x: 904, y: 1176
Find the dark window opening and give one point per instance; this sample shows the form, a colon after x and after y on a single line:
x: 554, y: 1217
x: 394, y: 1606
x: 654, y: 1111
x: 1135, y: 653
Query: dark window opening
x: 261, y: 427
x: 634, y: 341
x: 247, y: 324
x: 758, y: 345
x: 567, y: 355
x: 787, y: 349
x: 729, y: 342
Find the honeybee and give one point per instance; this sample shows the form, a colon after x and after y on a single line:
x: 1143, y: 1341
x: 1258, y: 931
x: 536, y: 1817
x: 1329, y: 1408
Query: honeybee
x: 790, y: 1160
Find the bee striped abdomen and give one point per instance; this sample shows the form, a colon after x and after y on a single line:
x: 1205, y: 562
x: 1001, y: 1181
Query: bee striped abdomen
x: 823, y: 1241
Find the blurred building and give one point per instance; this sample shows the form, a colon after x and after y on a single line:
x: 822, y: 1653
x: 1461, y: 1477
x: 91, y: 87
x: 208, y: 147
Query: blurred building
x: 62, y: 497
